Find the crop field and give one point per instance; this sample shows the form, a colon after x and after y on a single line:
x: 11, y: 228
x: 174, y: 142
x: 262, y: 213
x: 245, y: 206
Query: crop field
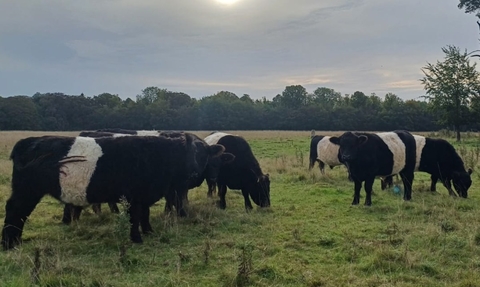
x: 310, y: 236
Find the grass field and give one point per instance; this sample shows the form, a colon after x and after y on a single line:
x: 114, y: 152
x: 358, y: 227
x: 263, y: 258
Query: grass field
x: 310, y: 236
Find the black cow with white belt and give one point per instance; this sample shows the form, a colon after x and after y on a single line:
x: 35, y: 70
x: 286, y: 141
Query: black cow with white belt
x: 368, y: 155
x: 81, y: 171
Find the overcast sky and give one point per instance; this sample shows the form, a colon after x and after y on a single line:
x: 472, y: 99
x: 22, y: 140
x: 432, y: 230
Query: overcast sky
x: 200, y: 47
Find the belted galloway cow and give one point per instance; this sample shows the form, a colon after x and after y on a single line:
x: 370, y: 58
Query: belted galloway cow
x: 82, y: 171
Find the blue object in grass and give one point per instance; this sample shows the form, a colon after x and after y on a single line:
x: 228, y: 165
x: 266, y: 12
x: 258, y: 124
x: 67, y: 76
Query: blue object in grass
x: 396, y: 189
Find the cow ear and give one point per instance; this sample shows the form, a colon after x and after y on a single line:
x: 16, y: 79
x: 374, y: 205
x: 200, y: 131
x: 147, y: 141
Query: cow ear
x: 362, y: 139
x: 216, y: 149
x: 470, y: 171
x: 335, y: 140
x: 227, y: 157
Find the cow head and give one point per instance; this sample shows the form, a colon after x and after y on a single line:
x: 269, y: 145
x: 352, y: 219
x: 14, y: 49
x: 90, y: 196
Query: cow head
x: 204, y: 153
x: 462, y: 182
x: 197, y: 153
x: 349, y: 145
x: 260, y: 191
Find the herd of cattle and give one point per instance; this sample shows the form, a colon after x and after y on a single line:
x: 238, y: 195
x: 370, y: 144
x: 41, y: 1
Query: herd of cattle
x: 142, y: 167
x: 370, y: 155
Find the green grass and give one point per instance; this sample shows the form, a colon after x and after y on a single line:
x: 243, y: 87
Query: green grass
x: 311, y: 235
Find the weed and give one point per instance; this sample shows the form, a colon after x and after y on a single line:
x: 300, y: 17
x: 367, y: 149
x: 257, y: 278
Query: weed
x: 35, y: 273
x: 447, y: 226
x: 245, y: 265
x: 122, y: 230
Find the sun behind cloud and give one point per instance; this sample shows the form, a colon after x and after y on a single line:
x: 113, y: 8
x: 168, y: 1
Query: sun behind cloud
x: 227, y: 2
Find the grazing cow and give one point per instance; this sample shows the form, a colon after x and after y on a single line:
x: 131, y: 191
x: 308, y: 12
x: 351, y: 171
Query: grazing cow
x: 325, y: 152
x: 210, y: 171
x: 368, y: 155
x: 440, y: 159
x: 242, y: 173
x: 81, y: 171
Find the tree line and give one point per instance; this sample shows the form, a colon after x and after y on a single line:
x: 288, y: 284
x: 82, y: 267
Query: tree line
x: 161, y: 109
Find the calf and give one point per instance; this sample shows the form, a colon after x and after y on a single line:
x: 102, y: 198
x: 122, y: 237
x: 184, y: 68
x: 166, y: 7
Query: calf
x: 368, y: 155
x: 323, y: 151
x: 82, y: 171
x: 242, y: 173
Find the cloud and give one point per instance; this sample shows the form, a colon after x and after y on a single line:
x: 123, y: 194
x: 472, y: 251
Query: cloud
x: 200, y: 47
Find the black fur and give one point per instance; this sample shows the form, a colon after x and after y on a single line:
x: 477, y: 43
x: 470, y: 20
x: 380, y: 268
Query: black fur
x: 441, y: 160
x: 204, y: 155
x: 242, y: 173
x: 314, y: 153
x: 143, y: 169
x: 366, y: 156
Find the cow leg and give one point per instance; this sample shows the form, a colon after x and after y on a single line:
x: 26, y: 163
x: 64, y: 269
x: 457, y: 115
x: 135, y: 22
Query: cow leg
x: 176, y: 197
x: 16, y: 213
x: 386, y: 182
x: 448, y: 185
x: 185, y: 197
x: 407, y: 180
x: 222, y: 191
x: 97, y: 208
x: 113, y: 207
x: 76, y: 211
x: 356, y: 194
x: 67, y: 213
x: 180, y: 199
x: 368, y: 190
x: 383, y: 184
x: 322, y: 166
x: 248, y: 204
x: 211, y: 188
x: 135, y: 216
x: 145, y: 219
x: 168, y: 205
x: 71, y: 212
x: 311, y: 164
x: 433, y: 184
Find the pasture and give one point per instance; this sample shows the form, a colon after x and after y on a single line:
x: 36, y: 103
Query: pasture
x: 310, y: 236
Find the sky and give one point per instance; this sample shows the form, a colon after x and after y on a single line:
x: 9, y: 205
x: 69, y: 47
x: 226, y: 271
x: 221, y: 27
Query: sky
x: 201, y: 47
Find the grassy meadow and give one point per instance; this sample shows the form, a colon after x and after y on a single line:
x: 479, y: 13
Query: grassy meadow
x: 310, y: 236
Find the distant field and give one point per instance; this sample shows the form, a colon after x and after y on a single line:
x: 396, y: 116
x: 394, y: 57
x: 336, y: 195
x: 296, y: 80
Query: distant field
x: 310, y: 236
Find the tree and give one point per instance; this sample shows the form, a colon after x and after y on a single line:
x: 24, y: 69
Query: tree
x: 326, y: 97
x: 294, y: 97
x: 150, y: 95
x: 470, y: 6
x: 450, y: 86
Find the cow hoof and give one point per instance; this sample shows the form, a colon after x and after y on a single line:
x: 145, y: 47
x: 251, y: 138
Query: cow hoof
x: 221, y: 205
x: 182, y: 213
x: 137, y: 240
x: 368, y: 204
x: 66, y: 221
x: 147, y: 231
